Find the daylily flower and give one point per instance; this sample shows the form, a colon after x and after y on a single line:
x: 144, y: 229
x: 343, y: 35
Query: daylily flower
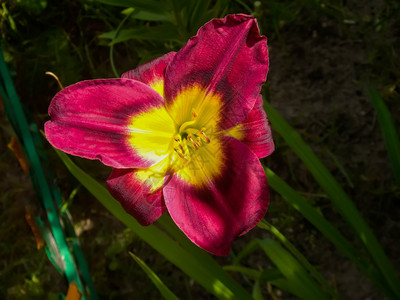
x: 184, y: 132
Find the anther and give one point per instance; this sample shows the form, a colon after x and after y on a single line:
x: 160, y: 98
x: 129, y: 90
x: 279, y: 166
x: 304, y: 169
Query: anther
x: 205, y: 136
x: 192, y: 141
x: 199, y: 142
x: 183, y: 151
x: 180, y: 154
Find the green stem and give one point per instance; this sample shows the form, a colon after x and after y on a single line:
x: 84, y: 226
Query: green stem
x: 112, y: 43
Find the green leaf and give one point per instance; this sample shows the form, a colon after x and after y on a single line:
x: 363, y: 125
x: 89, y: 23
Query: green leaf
x: 248, y: 249
x: 122, y: 3
x: 271, y: 274
x: 152, y: 6
x: 304, y: 286
x: 165, y: 32
x: 316, y: 218
x: 254, y: 274
x: 300, y: 257
x: 266, y: 275
x: 146, y: 16
x: 197, y: 14
x: 164, y: 290
x: 337, y: 195
x: 202, y: 256
x: 223, y: 287
x: 257, y: 294
x: 389, y: 132
x: 290, y: 273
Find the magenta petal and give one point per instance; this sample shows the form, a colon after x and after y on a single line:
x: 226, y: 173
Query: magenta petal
x: 135, y: 196
x: 90, y: 119
x: 256, y: 131
x: 151, y: 71
x: 227, y: 57
x: 229, y: 206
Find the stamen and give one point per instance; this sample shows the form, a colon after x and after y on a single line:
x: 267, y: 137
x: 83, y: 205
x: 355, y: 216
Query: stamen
x: 192, y: 141
x: 56, y: 78
x: 205, y: 136
x: 180, y: 154
x: 183, y: 151
x: 199, y: 142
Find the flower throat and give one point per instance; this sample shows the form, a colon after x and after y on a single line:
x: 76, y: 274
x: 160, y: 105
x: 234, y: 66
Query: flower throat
x: 190, y: 137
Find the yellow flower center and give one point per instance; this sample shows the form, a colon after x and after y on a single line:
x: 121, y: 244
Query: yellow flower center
x: 182, y: 138
x: 189, y: 138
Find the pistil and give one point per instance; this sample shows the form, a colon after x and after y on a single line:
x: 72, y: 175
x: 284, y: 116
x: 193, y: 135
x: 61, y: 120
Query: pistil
x: 190, y: 138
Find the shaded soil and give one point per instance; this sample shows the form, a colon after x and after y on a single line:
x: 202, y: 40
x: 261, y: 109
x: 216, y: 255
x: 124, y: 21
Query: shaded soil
x: 318, y: 81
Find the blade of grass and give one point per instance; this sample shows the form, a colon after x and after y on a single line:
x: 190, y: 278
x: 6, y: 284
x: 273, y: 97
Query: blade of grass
x: 202, y: 256
x: 253, y: 274
x: 389, y: 132
x: 340, y: 167
x: 117, y: 31
x: 249, y: 248
x: 152, y: 6
x: 273, y: 276
x: 257, y: 294
x: 198, y: 13
x: 304, y: 286
x: 287, y: 279
x: 164, y: 290
x: 266, y: 275
x: 146, y: 16
x: 337, y: 195
x: 158, y: 240
x: 300, y: 257
x: 164, y: 32
x: 326, y: 228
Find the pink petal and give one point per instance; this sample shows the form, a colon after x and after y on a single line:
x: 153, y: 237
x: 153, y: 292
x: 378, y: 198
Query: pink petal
x: 90, y: 119
x: 256, y: 131
x: 135, y: 195
x: 227, y: 57
x: 151, y: 71
x: 227, y: 207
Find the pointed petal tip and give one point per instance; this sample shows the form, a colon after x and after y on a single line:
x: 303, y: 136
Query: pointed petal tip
x: 228, y: 57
